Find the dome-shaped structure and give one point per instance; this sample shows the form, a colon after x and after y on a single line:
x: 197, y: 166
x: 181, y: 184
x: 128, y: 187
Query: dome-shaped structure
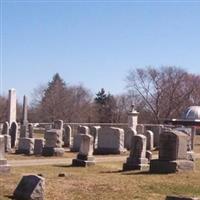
x: 192, y: 112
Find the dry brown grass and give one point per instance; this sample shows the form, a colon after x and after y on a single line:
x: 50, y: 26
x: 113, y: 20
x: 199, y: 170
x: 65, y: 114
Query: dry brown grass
x: 105, y: 181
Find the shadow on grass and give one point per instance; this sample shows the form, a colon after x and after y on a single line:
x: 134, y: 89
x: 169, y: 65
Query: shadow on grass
x: 63, y: 166
x: 111, y: 172
x: 10, y: 197
x: 143, y: 173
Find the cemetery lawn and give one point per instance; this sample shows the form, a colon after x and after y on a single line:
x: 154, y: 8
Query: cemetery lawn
x: 105, y: 181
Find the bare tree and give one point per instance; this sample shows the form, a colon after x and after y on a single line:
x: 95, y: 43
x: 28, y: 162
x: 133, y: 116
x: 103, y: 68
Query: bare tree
x: 166, y: 91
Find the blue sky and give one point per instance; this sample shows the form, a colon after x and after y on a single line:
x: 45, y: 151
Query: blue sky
x: 94, y: 43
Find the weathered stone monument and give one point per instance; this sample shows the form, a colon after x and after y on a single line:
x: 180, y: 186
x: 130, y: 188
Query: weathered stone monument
x: 128, y: 134
x: 132, y: 118
x: 7, y: 138
x: 26, y: 143
x: 58, y: 124
x: 85, y: 156
x: 24, y: 120
x: 25, y: 111
x: 14, y: 134
x: 7, y: 143
x: 94, y: 132
x: 110, y: 141
x: 25, y: 146
x: 81, y: 130
x: 38, y: 146
x: 12, y: 99
x: 5, y: 130
x: 30, y: 130
x: 157, y: 130
x: 53, y: 143
x: 67, y: 135
x: 137, y: 159
x: 4, y: 167
x: 172, y: 153
x: 30, y: 187
x: 149, y: 136
x: 140, y: 129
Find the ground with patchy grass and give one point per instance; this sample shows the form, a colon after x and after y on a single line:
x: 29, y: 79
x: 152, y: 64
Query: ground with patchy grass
x: 106, y: 181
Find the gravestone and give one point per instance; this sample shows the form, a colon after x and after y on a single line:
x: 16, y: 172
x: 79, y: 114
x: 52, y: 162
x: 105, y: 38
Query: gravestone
x: 110, y: 141
x: 77, y: 138
x: 53, y: 143
x: 149, y: 136
x: 4, y: 167
x: 128, y: 134
x: 94, y: 133
x: 25, y: 146
x: 30, y: 131
x: 7, y: 143
x: 30, y: 187
x: 14, y: 134
x: 38, y: 146
x: 157, y: 130
x: 140, y: 129
x: 5, y: 130
x: 85, y: 156
x: 172, y: 153
x: 12, y: 105
x: 76, y: 143
x: 137, y: 159
x: 83, y: 130
x: 58, y: 124
x: 67, y: 135
x: 23, y: 131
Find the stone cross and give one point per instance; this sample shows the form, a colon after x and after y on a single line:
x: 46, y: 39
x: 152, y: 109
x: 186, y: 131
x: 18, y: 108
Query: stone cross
x: 12, y: 106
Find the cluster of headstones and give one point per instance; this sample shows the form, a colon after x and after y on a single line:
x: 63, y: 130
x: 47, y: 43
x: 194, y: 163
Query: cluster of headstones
x: 174, y: 152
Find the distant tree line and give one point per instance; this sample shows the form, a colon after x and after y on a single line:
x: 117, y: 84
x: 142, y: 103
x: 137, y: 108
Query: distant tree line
x: 157, y: 93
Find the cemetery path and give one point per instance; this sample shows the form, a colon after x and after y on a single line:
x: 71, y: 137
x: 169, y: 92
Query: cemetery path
x: 68, y: 161
x: 59, y: 161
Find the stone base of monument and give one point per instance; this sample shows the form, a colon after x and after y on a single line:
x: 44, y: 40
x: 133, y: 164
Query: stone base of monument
x: 25, y: 146
x: 83, y: 161
x: 190, y: 156
x: 136, y: 164
x: 4, y: 166
x: 159, y: 166
x: 53, y: 151
x: 106, y: 151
